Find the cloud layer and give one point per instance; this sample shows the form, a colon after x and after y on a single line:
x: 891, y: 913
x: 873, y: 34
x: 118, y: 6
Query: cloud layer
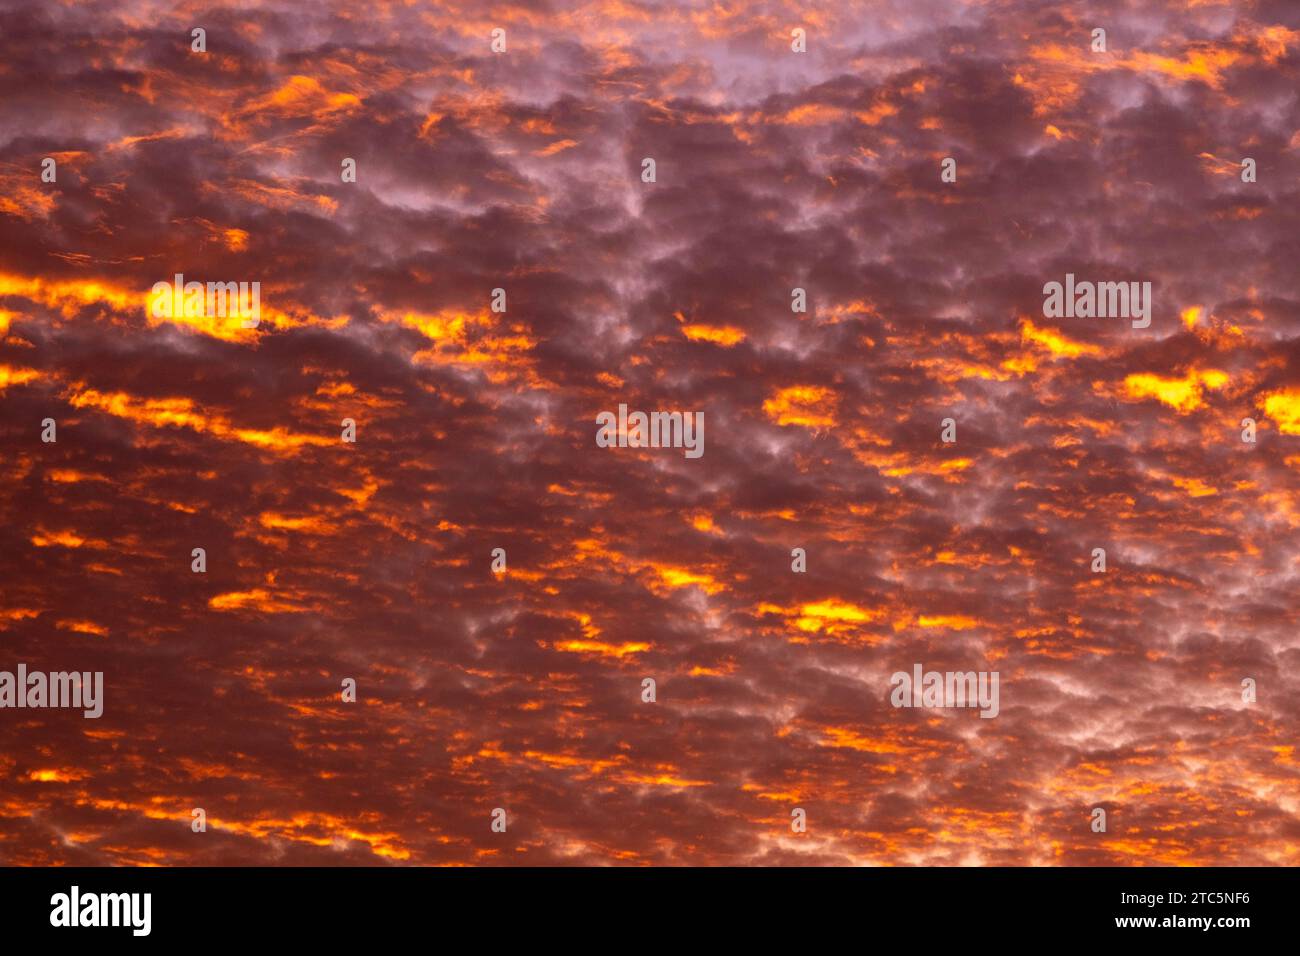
x: 775, y: 170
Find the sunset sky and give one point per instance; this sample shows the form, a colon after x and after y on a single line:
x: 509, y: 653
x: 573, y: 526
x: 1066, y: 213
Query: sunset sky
x: 475, y: 430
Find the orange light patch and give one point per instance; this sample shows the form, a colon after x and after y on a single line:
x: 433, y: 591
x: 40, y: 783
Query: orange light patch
x: 279, y: 198
x: 601, y: 648
x: 878, y: 112
x: 842, y: 737
x: 724, y: 335
x: 54, y: 776
x: 830, y: 618
x: 181, y: 412
x: 258, y: 599
x: 685, y: 578
x: 1195, y: 487
x: 18, y: 613
x: 662, y: 780
x: 1055, y: 342
x: 1283, y: 406
x: 704, y: 524
x: 83, y: 627
x: 1184, y: 394
x: 64, y: 539
x: 69, y: 296
x: 302, y: 96
x: 812, y: 114
x: 558, y: 146
x: 23, y: 201
x: 1207, y: 63
x: 309, y: 524
x: 16, y: 376
x: 952, y: 622
x: 811, y: 406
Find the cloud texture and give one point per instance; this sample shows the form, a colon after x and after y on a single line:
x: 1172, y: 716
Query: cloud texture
x: 476, y: 430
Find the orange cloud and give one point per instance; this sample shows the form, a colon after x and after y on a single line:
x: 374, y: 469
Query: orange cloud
x: 812, y: 406
x: 1184, y: 394
x: 1283, y: 406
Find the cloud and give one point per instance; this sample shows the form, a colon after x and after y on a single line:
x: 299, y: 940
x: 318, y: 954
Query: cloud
x: 475, y: 431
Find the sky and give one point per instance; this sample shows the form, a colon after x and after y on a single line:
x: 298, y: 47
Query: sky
x: 521, y: 689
